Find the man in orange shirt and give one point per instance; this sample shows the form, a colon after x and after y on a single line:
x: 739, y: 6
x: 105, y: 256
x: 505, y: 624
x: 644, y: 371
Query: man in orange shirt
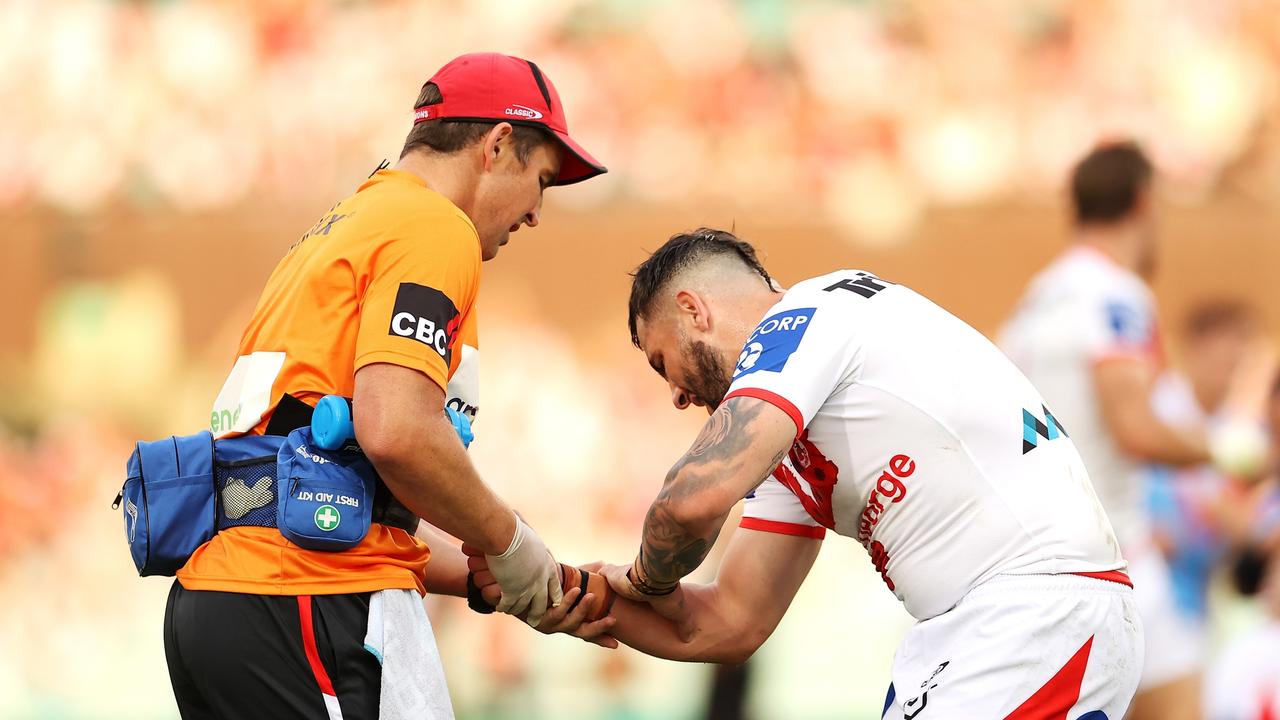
x: 377, y: 303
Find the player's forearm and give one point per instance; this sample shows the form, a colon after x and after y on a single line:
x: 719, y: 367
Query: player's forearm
x: 714, y: 637
x: 676, y: 539
x: 1147, y: 438
x: 1124, y: 395
x: 737, y: 448
x: 446, y: 572
x: 428, y: 470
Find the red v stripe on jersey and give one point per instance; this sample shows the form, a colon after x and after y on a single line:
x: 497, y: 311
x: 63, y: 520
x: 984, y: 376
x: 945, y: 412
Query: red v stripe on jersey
x: 1055, y: 699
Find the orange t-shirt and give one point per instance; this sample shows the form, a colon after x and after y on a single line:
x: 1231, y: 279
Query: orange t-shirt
x: 389, y: 275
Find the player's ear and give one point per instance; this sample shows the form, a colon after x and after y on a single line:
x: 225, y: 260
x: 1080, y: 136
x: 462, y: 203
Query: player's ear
x: 492, y: 145
x: 693, y: 307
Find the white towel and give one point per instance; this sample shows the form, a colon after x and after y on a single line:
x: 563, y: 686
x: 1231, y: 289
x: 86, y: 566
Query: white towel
x: 400, y: 636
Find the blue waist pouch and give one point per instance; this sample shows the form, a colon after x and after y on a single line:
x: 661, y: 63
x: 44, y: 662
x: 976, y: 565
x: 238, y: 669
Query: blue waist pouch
x: 325, y: 496
x: 180, y: 491
x: 170, y: 506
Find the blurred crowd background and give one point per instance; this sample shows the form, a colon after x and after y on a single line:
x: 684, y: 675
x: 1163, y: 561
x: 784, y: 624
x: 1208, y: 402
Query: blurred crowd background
x: 157, y: 158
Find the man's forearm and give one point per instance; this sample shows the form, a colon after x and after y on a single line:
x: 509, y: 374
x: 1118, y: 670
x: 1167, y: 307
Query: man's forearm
x: 401, y: 426
x: 446, y: 572
x: 433, y: 477
x: 713, y: 640
x: 672, y: 546
x: 700, y: 490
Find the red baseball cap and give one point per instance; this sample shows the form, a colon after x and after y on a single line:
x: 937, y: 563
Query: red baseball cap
x: 491, y: 86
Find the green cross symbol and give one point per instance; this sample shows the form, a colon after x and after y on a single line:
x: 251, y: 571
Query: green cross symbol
x: 327, y: 517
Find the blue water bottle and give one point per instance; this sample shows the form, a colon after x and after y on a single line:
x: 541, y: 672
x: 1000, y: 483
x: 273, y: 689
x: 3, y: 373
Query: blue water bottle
x: 462, y: 425
x: 332, y: 426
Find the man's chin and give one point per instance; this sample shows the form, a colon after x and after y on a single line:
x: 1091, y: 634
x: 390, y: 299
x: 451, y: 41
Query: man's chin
x: 489, y: 252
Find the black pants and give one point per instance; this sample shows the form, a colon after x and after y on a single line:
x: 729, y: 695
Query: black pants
x: 233, y: 655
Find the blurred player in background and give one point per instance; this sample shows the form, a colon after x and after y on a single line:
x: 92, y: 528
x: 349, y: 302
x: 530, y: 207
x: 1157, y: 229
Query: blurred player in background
x: 1197, y: 514
x: 1244, y: 682
x: 377, y: 303
x: 852, y: 404
x: 1086, y: 334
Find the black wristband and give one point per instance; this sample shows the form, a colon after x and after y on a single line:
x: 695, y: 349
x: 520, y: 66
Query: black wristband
x: 582, y: 590
x: 475, y: 600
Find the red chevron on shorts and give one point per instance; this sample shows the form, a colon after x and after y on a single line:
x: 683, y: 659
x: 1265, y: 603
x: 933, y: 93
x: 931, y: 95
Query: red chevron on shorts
x: 1056, y: 698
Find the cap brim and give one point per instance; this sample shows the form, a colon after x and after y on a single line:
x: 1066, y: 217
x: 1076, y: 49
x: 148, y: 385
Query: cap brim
x: 576, y: 164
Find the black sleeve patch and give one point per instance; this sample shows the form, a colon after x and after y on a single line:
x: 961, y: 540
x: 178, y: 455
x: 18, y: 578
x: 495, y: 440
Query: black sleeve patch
x: 427, y: 315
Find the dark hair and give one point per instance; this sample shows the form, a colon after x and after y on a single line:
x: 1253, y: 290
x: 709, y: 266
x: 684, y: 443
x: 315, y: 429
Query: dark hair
x: 682, y: 251
x: 1106, y: 184
x: 1214, y: 316
x: 449, y: 135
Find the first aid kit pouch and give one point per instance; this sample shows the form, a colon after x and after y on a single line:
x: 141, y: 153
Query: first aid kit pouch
x: 325, y: 496
x: 170, y: 504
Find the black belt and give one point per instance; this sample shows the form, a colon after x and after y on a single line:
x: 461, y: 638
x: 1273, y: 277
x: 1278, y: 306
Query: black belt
x: 291, y: 414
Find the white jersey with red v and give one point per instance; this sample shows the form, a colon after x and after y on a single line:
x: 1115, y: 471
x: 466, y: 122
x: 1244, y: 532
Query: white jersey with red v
x: 920, y: 439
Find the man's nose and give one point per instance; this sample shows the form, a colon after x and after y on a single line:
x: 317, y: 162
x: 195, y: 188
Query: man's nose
x: 679, y: 397
x: 534, y: 215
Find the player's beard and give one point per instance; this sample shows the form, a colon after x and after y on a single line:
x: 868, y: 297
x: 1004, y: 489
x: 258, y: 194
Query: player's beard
x: 710, y: 380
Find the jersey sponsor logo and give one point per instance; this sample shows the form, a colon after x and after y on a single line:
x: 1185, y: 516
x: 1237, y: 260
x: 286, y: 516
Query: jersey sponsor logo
x: 426, y: 315
x: 816, y: 482
x: 863, y: 283
x: 463, y: 407
x: 524, y: 112
x: 750, y: 356
x: 1033, y: 428
x: 774, y: 341
x: 246, y: 395
x: 463, y: 393
x: 1128, y: 324
x: 880, y: 561
x: 890, y: 489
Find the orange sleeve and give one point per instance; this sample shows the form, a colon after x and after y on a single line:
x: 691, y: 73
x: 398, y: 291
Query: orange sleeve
x: 417, y: 288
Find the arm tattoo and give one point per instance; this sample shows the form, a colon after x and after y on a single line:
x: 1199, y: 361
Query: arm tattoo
x: 672, y: 549
x: 713, y: 432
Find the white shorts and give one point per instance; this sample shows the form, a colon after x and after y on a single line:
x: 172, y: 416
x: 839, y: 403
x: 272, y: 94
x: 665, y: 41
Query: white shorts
x: 1175, y: 641
x: 1049, y: 647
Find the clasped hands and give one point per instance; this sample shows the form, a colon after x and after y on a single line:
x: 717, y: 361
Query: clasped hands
x: 573, y: 615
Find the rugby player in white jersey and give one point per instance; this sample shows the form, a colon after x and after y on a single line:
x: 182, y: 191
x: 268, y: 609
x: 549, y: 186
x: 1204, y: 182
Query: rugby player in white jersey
x: 852, y: 405
x: 1085, y: 333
